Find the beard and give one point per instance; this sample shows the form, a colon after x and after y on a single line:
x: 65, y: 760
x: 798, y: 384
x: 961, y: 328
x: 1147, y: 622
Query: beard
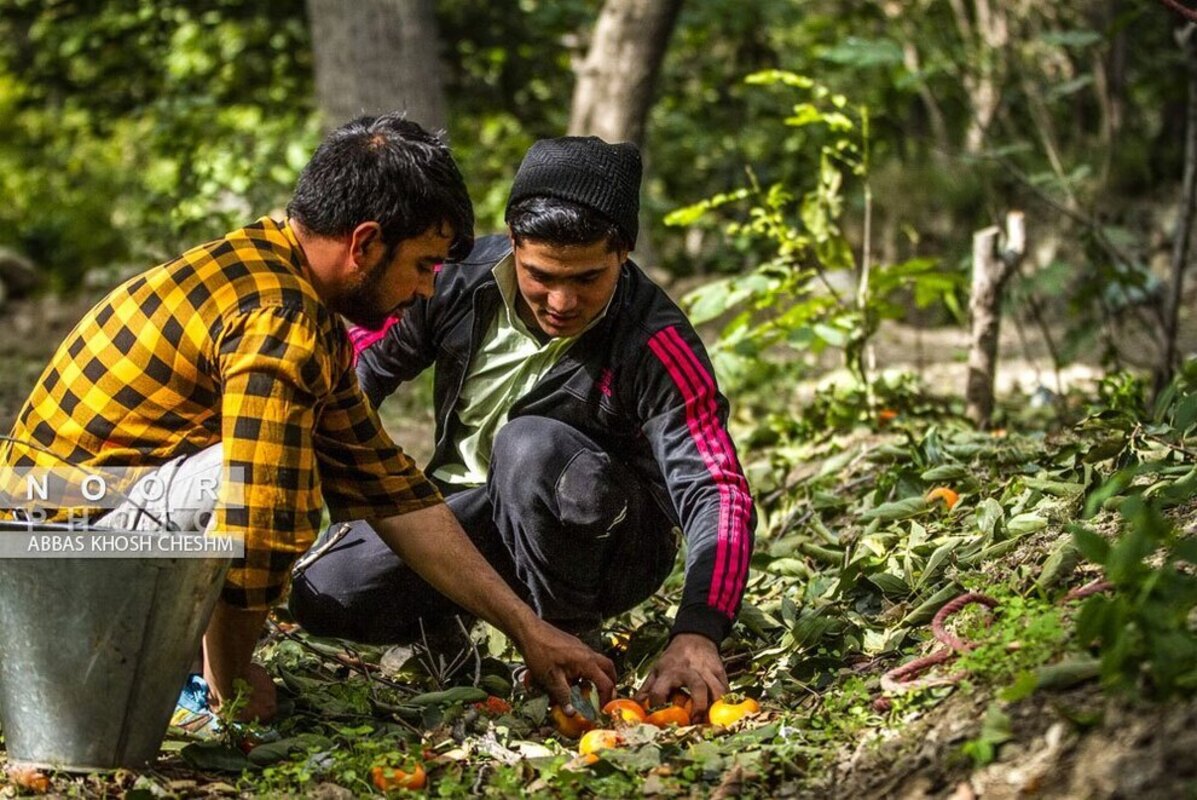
x: 359, y: 304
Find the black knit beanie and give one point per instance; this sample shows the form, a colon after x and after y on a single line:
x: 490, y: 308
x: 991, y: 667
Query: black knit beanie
x: 587, y: 171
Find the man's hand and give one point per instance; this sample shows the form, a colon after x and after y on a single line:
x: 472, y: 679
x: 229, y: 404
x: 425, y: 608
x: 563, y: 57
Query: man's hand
x: 554, y: 658
x: 432, y: 543
x: 228, y: 645
x: 262, y: 703
x: 691, y: 661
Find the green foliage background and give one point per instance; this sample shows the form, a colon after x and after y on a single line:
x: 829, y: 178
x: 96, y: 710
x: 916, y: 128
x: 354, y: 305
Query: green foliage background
x: 132, y: 128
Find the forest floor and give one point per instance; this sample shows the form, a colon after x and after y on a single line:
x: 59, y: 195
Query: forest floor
x: 852, y: 563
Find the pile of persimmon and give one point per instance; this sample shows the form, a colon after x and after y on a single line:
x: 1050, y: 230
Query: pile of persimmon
x: 624, y: 712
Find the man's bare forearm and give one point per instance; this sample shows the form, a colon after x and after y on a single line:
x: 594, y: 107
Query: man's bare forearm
x: 229, y: 645
x: 432, y: 543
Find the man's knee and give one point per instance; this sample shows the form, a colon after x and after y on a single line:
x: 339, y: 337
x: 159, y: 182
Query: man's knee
x: 543, y: 462
x: 528, y: 443
x: 588, y: 499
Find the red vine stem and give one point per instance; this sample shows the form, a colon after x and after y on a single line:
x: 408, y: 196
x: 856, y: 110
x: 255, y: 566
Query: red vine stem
x: 1091, y: 588
x: 950, y: 609
x: 902, y: 679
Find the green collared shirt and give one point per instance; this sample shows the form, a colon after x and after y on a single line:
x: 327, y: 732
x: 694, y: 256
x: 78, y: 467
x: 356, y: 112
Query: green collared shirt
x: 505, y: 367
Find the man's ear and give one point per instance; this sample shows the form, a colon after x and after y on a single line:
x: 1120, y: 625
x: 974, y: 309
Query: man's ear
x: 361, y: 239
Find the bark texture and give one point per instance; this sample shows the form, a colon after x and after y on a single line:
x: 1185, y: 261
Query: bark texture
x: 373, y: 56
x: 991, y: 270
x: 1182, y: 245
x: 615, y: 81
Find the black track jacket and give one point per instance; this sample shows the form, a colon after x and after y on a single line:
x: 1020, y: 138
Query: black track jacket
x: 639, y: 383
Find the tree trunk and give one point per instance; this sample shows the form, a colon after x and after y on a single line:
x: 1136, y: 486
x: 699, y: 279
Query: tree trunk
x: 984, y: 35
x: 991, y: 271
x: 615, y: 81
x: 1182, y: 245
x: 373, y: 56
x: 614, y: 91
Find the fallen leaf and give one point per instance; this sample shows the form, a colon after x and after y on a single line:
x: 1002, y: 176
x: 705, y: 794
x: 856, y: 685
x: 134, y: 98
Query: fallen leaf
x: 732, y: 784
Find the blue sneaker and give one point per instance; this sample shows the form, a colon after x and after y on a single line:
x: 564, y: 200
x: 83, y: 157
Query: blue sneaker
x: 192, y: 715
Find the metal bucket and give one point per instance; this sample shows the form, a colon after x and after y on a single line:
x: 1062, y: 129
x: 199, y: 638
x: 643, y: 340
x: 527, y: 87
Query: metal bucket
x: 94, y: 652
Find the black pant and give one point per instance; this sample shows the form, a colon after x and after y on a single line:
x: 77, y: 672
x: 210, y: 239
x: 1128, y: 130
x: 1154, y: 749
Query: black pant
x: 568, y: 527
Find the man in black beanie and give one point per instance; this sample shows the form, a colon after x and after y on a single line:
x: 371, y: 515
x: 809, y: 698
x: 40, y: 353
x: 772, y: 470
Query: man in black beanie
x: 579, y: 431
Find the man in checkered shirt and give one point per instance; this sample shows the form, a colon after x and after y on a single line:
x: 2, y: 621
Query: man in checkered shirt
x: 240, y: 344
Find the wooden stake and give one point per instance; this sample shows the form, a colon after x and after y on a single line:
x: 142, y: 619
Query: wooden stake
x: 991, y: 270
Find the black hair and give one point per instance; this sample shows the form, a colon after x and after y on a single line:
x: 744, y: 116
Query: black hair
x: 388, y: 170
x: 560, y: 222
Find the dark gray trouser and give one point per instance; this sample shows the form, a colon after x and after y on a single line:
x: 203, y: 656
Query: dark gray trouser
x: 574, y: 532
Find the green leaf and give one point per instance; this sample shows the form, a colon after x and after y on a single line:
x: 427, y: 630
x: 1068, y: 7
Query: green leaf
x: 946, y: 472
x: 1127, y: 554
x: 833, y: 336
x: 709, y: 301
x: 215, y: 756
x: 789, y: 611
x: 989, y: 515
x: 1059, y: 564
x: 804, y: 114
x: 1186, y: 414
x: 1067, y: 674
x: 690, y: 214
x: 1024, y: 524
x: 889, y: 584
x: 771, y: 76
x: 838, y: 122
x: 1186, y: 550
x: 1075, y: 38
x: 1055, y: 488
x: 457, y: 694
x: 1105, y: 448
x: 791, y: 567
x: 639, y: 760
x: 757, y: 620
x: 863, y: 53
x: 536, y: 709
x: 1093, y: 619
x: 898, y: 509
x: 1092, y: 545
x: 1025, y: 684
x: 271, y: 752
x: 811, y: 627
x: 926, y: 609
x: 936, y: 561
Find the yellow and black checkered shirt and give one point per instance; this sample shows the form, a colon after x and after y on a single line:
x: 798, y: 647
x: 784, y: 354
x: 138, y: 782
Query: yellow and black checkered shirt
x: 227, y: 343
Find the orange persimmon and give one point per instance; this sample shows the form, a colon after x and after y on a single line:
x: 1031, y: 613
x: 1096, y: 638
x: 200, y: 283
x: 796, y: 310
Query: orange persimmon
x: 669, y: 715
x: 624, y: 712
x: 725, y: 711
x: 570, y: 727
x: 949, y: 496
x: 388, y: 778
x: 599, y: 739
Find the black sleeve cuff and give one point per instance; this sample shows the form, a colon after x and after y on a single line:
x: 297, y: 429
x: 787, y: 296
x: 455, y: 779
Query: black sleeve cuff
x: 704, y: 620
